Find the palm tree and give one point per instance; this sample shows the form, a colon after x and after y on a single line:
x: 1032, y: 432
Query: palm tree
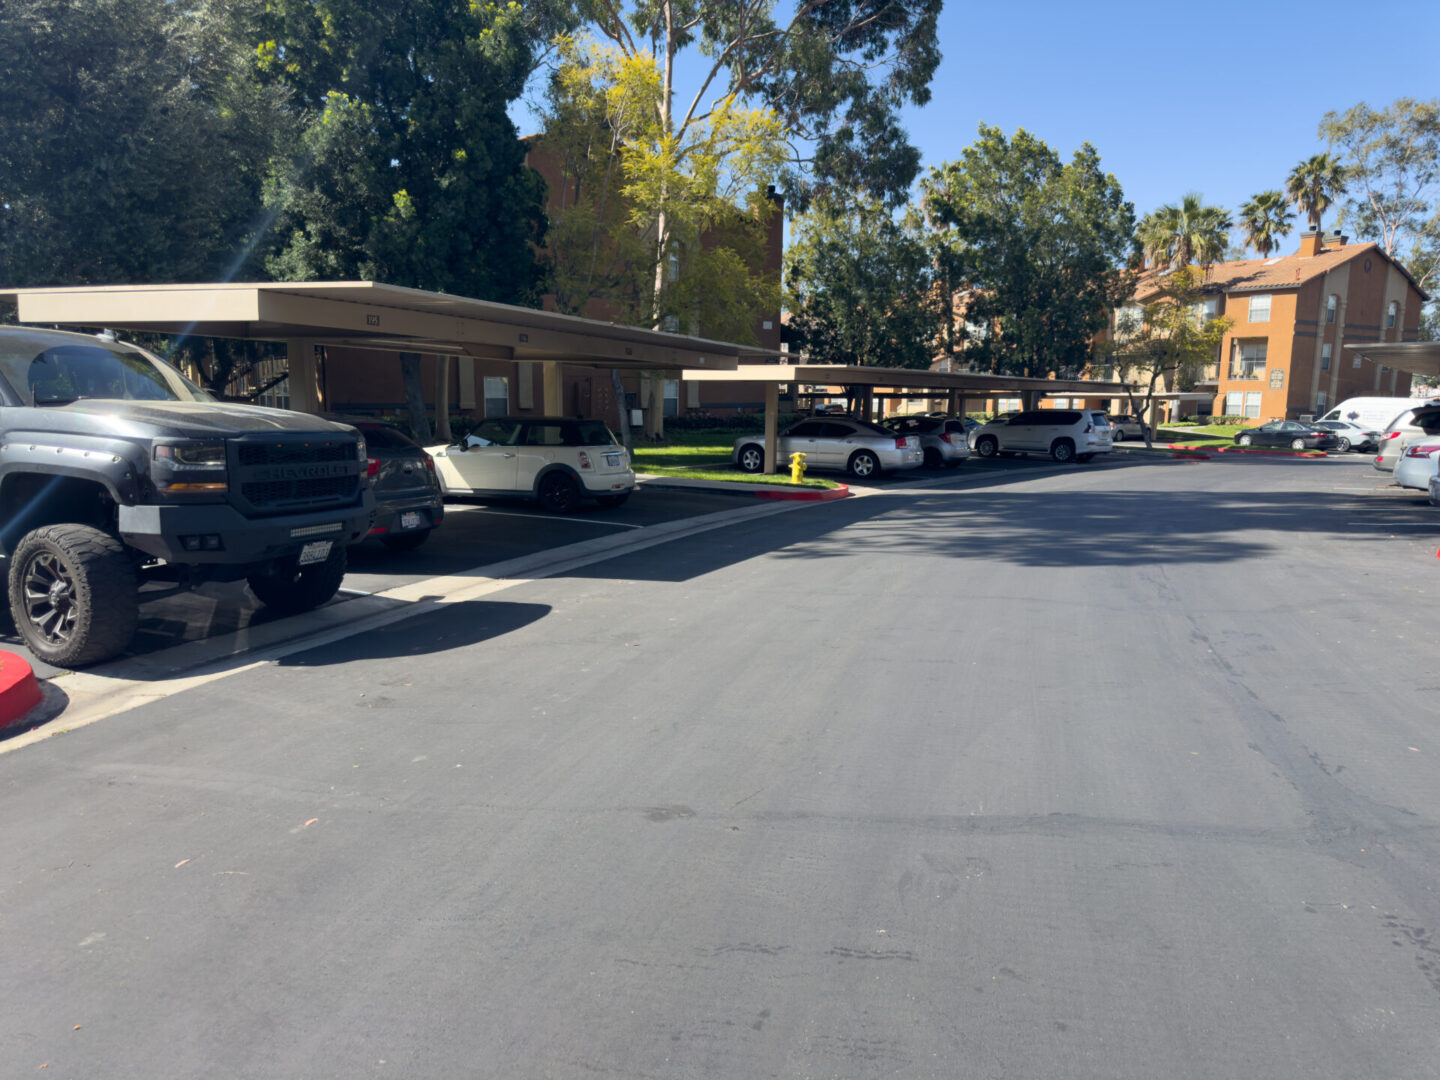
x: 1314, y: 184
x: 1176, y: 236
x: 1264, y: 220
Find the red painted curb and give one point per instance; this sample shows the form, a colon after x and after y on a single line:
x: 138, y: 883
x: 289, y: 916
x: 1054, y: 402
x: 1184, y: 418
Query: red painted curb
x: 805, y: 496
x: 19, y: 690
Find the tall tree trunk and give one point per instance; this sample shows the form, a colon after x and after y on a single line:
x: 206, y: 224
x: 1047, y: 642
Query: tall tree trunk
x: 415, y: 398
x: 667, y: 120
x: 442, y: 399
x: 621, y: 410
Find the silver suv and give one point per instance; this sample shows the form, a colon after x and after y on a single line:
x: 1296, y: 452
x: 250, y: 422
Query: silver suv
x: 1064, y: 434
x: 556, y: 461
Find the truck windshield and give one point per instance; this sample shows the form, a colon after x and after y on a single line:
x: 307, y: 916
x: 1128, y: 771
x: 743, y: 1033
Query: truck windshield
x: 42, y: 373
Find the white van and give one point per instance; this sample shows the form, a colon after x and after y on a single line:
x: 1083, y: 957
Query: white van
x: 1373, y: 413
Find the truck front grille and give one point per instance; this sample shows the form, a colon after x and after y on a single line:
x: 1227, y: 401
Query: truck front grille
x: 279, y: 475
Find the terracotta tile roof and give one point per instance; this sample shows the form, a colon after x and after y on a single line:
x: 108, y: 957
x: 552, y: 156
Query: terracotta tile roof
x: 1278, y: 272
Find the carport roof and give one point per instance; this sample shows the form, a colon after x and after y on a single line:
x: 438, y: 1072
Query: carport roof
x: 913, y: 378
x: 1416, y: 357
x: 368, y: 314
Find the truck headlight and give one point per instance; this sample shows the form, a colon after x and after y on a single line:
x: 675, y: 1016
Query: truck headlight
x: 191, y: 467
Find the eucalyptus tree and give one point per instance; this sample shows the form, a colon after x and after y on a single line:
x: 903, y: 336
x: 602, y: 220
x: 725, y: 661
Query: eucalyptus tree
x: 1264, y: 220
x: 1392, y: 157
x: 1179, y: 234
x: 1314, y: 184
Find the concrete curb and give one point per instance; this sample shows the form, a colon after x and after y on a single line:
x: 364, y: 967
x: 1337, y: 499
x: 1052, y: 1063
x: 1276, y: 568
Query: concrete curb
x: 744, y: 490
x: 19, y: 689
x: 1271, y: 453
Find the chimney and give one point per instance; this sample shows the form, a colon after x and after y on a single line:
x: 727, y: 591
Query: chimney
x: 1335, y: 240
x: 1311, y: 243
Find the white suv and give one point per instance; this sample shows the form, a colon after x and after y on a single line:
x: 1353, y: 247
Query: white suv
x: 557, y: 461
x: 1064, y: 434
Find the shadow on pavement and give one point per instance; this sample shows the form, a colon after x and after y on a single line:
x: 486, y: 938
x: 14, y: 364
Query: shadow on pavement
x: 454, y: 626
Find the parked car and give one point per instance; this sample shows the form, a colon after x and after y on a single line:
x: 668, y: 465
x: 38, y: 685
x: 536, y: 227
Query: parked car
x: 837, y: 444
x: 559, y: 462
x: 1064, y: 434
x: 943, y: 439
x: 1127, y: 426
x: 1350, y: 436
x: 1410, y: 426
x: 409, y: 504
x: 1417, y: 464
x: 1435, y: 490
x: 1291, y: 433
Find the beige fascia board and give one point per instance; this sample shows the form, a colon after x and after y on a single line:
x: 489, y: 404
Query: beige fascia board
x: 136, y: 306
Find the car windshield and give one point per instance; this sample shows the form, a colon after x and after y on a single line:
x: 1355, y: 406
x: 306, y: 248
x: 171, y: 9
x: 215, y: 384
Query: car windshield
x: 40, y: 372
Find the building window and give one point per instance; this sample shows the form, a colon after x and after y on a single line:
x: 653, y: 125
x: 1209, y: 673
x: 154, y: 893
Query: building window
x: 1390, y: 315
x: 1356, y: 361
x: 1234, y: 402
x: 1128, y: 320
x: 1331, y: 303
x: 1248, y: 361
x: 1259, y: 309
x: 1325, y: 357
x: 1210, y: 308
x: 1321, y: 400
x: 1007, y: 404
x: 1252, y: 405
x: 497, y: 395
x: 671, y: 406
x: 671, y: 324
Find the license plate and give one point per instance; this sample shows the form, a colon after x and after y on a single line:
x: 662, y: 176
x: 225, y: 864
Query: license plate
x: 315, y: 552
x: 612, y: 459
x: 410, y: 520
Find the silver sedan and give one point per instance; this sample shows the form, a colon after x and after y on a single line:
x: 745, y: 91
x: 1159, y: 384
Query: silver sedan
x: 1417, y: 464
x: 837, y: 444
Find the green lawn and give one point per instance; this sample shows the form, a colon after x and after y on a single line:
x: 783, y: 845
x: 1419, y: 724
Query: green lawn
x: 705, y: 455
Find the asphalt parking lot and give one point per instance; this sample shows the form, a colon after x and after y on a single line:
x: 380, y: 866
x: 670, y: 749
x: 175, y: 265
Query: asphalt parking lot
x: 477, y: 535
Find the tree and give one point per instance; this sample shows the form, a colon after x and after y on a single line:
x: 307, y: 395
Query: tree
x: 1314, y: 184
x: 1178, y: 234
x: 1170, y: 342
x: 1041, y: 245
x: 1264, y: 220
x: 135, y: 141
x: 1392, y: 159
x: 408, y: 168
x: 835, y: 74
x: 858, y: 286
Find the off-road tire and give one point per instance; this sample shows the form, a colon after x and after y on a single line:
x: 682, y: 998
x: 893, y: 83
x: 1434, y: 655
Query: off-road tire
x: 293, y: 588
x: 74, y: 594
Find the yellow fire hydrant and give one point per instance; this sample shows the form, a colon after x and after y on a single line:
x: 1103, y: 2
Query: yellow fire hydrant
x: 797, y: 467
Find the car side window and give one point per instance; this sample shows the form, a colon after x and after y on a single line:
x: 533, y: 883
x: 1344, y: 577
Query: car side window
x: 544, y: 435
x: 808, y: 429
x: 1022, y: 418
x: 494, y: 433
x: 835, y: 431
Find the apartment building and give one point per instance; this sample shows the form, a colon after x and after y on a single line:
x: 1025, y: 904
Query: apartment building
x: 1291, y: 316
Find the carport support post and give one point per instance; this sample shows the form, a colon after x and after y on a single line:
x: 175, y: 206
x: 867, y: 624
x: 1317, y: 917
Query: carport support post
x: 553, y: 388
x: 1028, y: 399
x: 772, y: 424
x: 300, y: 362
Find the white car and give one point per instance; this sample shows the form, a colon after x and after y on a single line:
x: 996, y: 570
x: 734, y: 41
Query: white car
x: 1351, y: 436
x: 1127, y: 426
x: 1412, y: 425
x: 1417, y: 464
x: 862, y: 449
x: 556, y: 461
x: 1435, y: 490
x: 1064, y: 434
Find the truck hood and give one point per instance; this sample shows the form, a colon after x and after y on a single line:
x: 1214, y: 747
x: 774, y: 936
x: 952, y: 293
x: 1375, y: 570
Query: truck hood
x: 187, y: 419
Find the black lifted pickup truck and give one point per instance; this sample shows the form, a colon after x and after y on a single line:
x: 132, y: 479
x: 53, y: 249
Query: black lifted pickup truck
x: 117, y: 471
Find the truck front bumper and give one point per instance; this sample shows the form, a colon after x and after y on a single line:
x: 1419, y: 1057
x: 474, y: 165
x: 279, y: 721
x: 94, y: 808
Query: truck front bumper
x: 218, y: 533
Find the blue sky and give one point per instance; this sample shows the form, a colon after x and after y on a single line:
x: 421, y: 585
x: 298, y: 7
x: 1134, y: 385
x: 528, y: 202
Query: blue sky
x: 1222, y: 98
